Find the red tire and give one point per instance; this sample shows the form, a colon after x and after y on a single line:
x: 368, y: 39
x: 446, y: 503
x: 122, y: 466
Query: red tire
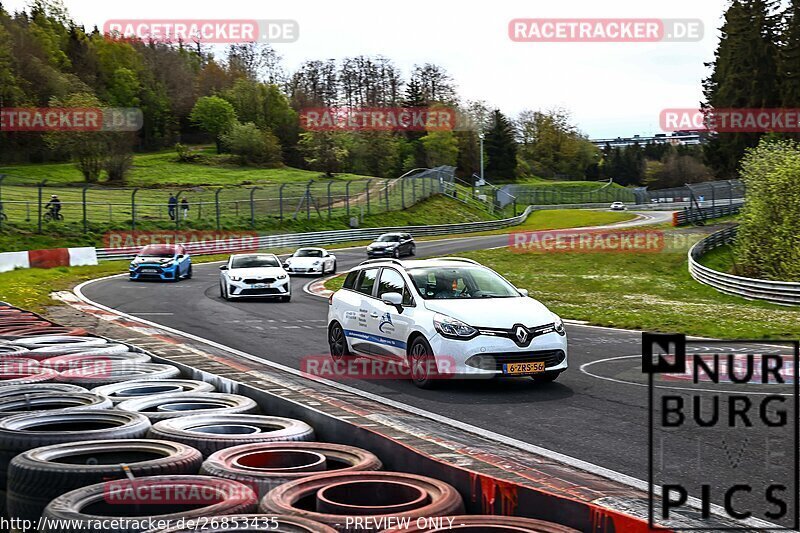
x: 157, y: 497
x: 268, y: 464
x: 406, y: 496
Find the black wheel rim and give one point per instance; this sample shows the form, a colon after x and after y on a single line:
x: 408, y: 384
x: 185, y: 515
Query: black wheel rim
x: 419, y: 362
x: 337, y: 342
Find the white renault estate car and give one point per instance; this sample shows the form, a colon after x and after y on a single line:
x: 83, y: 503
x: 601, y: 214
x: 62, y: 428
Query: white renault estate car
x: 445, y: 317
x: 311, y: 261
x: 254, y: 276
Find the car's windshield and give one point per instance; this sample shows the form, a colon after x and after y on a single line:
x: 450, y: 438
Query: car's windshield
x: 437, y: 283
x: 389, y: 238
x: 157, y: 251
x: 308, y: 253
x: 255, y: 261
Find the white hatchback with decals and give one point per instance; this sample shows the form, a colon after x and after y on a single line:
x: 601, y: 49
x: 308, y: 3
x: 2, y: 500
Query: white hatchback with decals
x: 444, y: 318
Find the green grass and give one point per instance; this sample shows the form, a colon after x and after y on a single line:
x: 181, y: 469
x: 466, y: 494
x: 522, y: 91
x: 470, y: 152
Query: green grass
x: 162, y: 169
x: 435, y: 210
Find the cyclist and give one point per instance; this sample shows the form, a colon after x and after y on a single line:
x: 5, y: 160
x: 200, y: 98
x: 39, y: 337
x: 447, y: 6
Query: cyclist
x: 54, y: 206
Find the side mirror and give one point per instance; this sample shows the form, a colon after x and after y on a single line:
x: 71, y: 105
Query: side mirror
x: 224, y: 267
x: 395, y: 299
x: 523, y: 292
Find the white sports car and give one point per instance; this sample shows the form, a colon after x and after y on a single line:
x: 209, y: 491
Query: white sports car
x: 311, y: 261
x: 254, y: 276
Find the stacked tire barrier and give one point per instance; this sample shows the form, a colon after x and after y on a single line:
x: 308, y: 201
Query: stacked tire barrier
x: 94, y: 436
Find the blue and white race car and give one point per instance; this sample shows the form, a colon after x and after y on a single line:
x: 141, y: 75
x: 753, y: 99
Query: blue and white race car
x: 167, y: 262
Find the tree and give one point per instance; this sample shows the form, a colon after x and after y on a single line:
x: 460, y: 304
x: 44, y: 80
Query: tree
x: 441, y: 148
x: 743, y: 76
x: 215, y: 116
x: 550, y: 146
x: 323, y: 151
x: 768, y: 243
x: 88, y: 149
x: 501, y: 149
x: 253, y: 145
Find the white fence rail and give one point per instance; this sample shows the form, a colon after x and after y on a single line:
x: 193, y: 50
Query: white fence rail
x: 779, y: 292
x: 317, y: 238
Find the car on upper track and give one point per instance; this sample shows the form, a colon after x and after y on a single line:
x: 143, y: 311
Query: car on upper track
x: 166, y: 262
x: 254, y: 276
x: 617, y: 206
x: 444, y: 317
x: 392, y: 245
x: 311, y: 261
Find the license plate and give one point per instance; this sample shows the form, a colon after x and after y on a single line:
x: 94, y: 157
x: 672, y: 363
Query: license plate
x: 149, y: 271
x: 260, y: 285
x: 524, y: 368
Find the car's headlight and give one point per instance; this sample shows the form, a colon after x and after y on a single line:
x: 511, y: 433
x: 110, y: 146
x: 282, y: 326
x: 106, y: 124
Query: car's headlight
x: 452, y: 328
x: 559, y: 326
x: 282, y: 276
x: 132, y: 266
x: 317, y: 263
x: 167, y: 264
x: 236, y: 278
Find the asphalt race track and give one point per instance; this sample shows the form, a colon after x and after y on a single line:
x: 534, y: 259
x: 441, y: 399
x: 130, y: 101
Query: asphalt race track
x: 601, y: 421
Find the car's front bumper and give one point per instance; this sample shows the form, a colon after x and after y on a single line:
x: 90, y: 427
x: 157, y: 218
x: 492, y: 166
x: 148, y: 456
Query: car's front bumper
x: 276, y: 289
x: 485, y: 355
x: 305, y: 270
x: 154, y: 272
x: 381, y: 252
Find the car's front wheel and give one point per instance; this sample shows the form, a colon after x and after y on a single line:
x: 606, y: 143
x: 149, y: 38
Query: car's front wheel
x: 422, y: 361
x: 337, y: 342
x: 189, y: 273
x: 223, y: 291
x: 413, y: 249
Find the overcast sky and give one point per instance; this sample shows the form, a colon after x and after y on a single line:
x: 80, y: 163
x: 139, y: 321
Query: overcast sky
x: 612, y: 89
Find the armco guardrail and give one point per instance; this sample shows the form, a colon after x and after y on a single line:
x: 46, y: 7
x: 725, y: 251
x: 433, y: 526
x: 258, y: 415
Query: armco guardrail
x: 779, y: 292
x: 289, y: 240
x: 692, y: 214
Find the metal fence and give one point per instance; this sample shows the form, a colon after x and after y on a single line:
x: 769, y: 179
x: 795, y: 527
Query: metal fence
x: 23, y: 203
x: 779, y: 292
x: 318, y: 238
x: 698, y: 215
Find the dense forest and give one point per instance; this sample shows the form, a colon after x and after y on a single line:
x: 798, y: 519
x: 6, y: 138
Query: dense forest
x: 242, y: 98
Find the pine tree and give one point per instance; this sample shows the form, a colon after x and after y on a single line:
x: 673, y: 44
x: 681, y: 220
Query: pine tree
x: 744, y: 76
x: 789, y: 59
x: 501, y: 149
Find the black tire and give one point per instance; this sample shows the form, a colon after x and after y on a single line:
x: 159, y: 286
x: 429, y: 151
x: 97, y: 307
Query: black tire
x: 77, y: 510
x: 115, y: 372
x: 32, y: 430
x: 396, y: 253
x: 547, y: 377
x: 337, y: 343
x: 222, y: 292
x: 164, y: 406
x: 210, y: 433
x: 36, y: 388
x: 36, y: 477
x: 51, y: 401
x: 413, y: 250
x: 423, y: 364
x: 138, y: 388
x: 333, y: 271
x: 266, y: 465
x: 287, y: 298
x: 189, y: 273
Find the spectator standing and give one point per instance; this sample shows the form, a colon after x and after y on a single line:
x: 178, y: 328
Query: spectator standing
x: 185, y: 208
x: 172, y: 206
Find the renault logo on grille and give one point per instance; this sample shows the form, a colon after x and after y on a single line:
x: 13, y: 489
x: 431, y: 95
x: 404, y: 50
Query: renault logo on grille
x: 521, y: 334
